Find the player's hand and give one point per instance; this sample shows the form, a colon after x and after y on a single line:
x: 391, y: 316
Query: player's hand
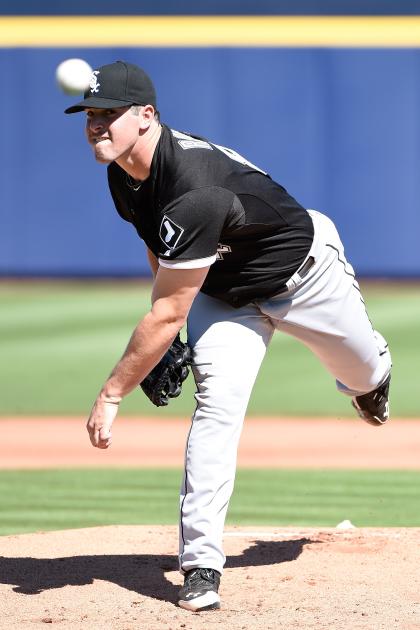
x: 100, y: 422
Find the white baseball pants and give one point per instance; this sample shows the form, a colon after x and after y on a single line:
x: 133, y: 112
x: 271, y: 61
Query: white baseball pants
x: 326, y: 312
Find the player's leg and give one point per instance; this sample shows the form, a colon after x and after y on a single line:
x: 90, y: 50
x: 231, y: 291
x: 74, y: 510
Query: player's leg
x: 228, y: 346
x: 325, y: 310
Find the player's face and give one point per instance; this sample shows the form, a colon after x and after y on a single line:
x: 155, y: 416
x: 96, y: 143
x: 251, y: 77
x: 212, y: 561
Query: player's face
x: 112, y: 133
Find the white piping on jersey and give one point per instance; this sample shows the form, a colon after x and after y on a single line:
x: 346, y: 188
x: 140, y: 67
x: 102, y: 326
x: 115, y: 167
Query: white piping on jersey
x: 198, y: 263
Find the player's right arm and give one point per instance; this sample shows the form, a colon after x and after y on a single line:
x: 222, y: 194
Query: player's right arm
x: 173, y: 293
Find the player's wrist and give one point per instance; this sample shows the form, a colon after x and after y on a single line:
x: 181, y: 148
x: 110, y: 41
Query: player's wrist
x: 110, y: 398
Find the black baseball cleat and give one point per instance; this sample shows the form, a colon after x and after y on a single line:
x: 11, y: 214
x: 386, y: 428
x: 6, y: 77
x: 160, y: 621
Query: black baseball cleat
x: 374, y: 406
x: 200, y: 590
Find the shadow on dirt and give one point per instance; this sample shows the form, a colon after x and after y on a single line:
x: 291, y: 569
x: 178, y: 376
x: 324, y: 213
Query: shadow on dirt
x: 144, y: 574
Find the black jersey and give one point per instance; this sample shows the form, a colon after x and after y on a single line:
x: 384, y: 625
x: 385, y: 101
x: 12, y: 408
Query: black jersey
x: 206, y: 205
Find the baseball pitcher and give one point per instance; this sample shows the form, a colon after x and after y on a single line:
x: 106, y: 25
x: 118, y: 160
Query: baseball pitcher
x: 237, y: 258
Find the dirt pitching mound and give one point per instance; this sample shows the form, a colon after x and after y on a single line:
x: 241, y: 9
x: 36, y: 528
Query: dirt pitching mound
x: 126, y: 578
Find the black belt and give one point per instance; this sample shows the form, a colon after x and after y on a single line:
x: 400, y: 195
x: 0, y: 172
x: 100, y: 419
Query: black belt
x: 302, y: 271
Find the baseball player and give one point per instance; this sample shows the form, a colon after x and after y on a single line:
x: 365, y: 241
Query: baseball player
x: 239, y: 258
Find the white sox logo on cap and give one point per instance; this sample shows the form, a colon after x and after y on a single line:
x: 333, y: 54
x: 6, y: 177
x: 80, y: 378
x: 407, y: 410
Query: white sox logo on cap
x: 94, y: 85
x: 118, y: 84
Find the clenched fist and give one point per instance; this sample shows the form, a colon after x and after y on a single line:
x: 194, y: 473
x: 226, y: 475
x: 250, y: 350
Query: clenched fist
x: 100, y: 422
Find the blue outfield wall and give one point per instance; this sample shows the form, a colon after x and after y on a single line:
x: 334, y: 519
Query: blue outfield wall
x: 210, y: 7
x: 339, y: 128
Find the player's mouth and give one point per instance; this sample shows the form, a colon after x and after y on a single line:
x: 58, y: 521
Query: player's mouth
x: 98, y: 139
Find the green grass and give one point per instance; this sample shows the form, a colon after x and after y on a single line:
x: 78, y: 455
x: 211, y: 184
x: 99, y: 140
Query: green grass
x: 36, y: 500
x: 59, y: 342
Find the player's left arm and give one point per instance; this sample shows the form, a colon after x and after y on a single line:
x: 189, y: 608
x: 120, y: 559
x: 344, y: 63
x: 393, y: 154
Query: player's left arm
x: 173, y: 293
x: 153, y: 262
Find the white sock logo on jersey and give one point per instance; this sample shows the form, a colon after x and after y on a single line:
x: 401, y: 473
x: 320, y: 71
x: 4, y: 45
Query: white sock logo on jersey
x: 170, y: 232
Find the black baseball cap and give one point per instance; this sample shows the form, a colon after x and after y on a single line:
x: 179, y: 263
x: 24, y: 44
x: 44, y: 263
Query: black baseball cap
x: 116, y: 85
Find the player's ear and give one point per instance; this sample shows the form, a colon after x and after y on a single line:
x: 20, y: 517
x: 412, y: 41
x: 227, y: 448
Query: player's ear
x: 147, y: 115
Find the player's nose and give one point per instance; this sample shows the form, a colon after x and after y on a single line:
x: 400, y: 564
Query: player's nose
x: 95, y: 124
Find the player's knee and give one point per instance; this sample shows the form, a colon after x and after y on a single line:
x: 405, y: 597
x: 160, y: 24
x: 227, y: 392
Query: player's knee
x: 364, y: 382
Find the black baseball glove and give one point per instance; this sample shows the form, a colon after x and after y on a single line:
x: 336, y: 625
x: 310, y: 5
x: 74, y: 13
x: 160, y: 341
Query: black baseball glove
x: 166, y: 378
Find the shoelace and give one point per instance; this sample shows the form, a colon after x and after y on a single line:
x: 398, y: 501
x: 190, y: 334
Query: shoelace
x: 379, y: 398
x: 381, y: 395
x: 199, y: 575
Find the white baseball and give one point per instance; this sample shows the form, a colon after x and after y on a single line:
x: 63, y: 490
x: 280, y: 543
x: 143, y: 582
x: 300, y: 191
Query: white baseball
x: 73, y: 76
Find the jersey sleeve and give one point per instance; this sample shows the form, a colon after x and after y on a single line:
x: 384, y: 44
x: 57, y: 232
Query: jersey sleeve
x: 190, y: 227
